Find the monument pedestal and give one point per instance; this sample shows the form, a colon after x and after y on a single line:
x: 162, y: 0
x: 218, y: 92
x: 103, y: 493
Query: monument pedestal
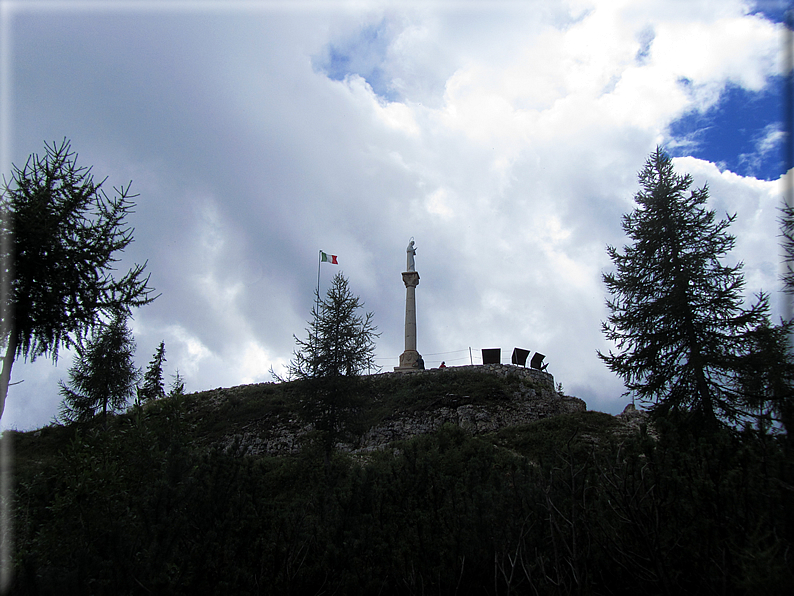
x: 409, y: 359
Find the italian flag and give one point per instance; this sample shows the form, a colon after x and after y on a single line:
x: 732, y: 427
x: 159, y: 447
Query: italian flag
x: 324, y: 258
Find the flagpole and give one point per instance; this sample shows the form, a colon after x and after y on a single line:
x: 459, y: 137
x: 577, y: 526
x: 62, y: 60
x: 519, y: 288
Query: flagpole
x: 319, y: 262
x: 317, y: 300
x: 317, y: 295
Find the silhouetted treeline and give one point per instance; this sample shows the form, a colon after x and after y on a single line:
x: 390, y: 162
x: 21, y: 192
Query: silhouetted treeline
x: 564, y: 506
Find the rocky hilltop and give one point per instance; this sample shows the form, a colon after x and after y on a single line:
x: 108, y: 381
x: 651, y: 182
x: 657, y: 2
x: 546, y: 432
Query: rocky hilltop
x: 479, y: 399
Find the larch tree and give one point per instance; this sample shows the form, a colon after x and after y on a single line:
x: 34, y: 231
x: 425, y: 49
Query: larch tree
x: 60, y: 237
x: 676, y: 310
x: 339, y: 348
x: 340, y: 342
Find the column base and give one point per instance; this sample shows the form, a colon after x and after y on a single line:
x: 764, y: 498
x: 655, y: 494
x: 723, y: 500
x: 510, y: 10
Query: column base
x: 409, y: 362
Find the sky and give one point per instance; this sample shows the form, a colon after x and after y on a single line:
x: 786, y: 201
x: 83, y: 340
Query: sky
x: 504, y: 137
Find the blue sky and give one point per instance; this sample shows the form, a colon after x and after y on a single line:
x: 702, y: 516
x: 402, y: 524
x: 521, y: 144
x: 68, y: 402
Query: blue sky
x: 504, y: 137
x: 741, y: 133
x: 774, y: 10
x: 361, y: 54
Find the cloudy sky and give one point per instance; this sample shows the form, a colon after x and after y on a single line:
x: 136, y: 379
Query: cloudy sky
x: 505, y: 137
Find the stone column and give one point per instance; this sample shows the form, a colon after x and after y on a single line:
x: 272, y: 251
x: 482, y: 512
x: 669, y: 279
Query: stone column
x: 410, y: 357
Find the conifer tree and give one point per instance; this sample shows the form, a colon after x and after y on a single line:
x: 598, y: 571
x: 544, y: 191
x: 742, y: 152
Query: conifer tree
x: 103, y: 375
x: 767, y: 376
x: 677, y: 315
x: 60, y: 235
x: 153, y: 384
x: 774, y: 345
x: 787, y: 234
x: 177, y: 384
x: 340, y: 346
x: 340, y: 342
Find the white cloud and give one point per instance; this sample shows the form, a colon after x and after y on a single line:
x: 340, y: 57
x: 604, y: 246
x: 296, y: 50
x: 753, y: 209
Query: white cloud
x: 768, y: 141
x: 395, y: 115
x: 438, y: 203
x: 756, y: 205
x: 742, y: 49
x: 771, y: 139
x: 509, y: 149
x: 190, y: 352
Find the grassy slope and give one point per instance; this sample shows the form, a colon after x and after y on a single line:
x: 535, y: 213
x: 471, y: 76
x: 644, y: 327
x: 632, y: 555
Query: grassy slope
x: 214, y: 414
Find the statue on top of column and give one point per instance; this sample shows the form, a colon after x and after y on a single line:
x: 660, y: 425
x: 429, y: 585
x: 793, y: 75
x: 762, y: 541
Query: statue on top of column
x: 411, y: 250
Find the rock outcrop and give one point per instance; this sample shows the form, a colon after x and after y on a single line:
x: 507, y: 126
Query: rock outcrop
x: 525, y: 395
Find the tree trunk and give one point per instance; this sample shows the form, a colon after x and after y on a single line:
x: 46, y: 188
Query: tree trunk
x: 8, y: 362
x: 701, y: 383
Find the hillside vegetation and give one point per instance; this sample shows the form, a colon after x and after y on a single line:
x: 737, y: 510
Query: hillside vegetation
x: 158, y: 501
